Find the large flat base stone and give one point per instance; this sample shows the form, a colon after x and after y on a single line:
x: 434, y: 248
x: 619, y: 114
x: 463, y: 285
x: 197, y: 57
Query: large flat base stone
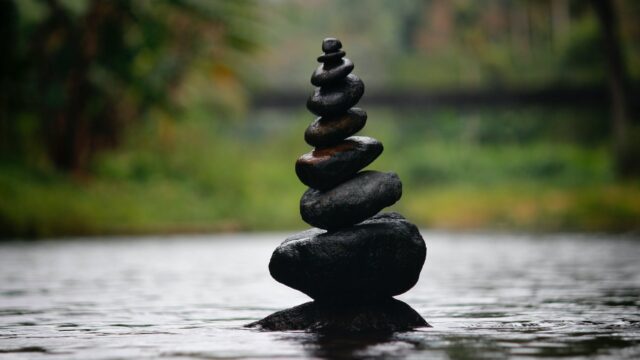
x: 385, y: 316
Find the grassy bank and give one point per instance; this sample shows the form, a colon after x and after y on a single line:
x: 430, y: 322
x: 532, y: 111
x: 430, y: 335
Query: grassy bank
x: 197, y: 175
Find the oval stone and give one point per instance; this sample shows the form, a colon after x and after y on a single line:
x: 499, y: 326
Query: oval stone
x: 327, y: 131
x: 324, y: 77
x: 351, y: 202
x: 324, y: 168
x: 331, y: 57
x: 337, y: 98
x: 331, y: 45
x: 379, y: 258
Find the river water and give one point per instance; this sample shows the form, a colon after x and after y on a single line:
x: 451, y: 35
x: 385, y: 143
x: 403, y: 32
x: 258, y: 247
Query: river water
x: 187, y: 297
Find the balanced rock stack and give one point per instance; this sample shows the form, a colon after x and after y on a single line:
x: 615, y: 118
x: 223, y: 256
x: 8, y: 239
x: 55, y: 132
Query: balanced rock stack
x: 355, y: 260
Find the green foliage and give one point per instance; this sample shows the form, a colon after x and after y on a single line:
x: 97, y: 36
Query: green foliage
x: 86, y: 70
x: 202, y: 175
x: 583, y: 57
x: 437, y: 44
x: 130, y: 116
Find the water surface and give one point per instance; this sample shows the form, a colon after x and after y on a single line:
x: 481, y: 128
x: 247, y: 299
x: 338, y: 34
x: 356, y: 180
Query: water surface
x: 186, y: 297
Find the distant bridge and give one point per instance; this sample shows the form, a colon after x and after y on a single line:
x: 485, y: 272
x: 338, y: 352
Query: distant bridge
x: 553, y: 96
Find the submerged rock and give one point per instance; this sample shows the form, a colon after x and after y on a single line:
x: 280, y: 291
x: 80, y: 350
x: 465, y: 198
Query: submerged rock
x: 377, y: 259
x: 352, y: 201
x: 325, y: 168
x: 386, y: 316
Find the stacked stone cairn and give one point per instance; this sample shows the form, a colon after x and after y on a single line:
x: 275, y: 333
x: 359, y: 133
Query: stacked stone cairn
x: 355, y: 260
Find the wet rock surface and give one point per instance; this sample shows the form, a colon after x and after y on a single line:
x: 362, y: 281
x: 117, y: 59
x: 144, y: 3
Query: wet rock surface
x: 352, y: 201
x: 374, y: 260
x: 331, y: 45
x: 327, y: 131
x: 325, y: 168
x: 361, y: 260
x: 331, y: 58
x: 387, y: 316
x: 324, y: 77
x: 336, y: 98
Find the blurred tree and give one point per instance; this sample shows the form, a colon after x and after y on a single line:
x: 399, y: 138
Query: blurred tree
x: 85, y: 70
x: 411, y: 15
x: 8, y: 32
x: 626, y: 162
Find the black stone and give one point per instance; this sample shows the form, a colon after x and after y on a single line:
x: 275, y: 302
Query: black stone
x: 331, y: 57
x: 351, y: 202
x: 377, y: 259
x: 337, y: 98
x: 386, y: 316
x: 352, y: 269
x: 327, y: 131
x: 331, y: 45
x: 325, y: 77
x: 324, y: 168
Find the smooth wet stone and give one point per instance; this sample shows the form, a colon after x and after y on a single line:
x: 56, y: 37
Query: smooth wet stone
x: 351, y: 202
x: 337, y: 98
x: 331, y: 57
x: 376, y: 259
x: 331, y: 45
x: 327, y: 131
x: 324, y: 168
x: 386, y: 316
x: 324, y: 77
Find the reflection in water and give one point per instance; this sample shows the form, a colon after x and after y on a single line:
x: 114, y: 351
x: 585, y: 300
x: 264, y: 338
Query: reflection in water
x: 488, y: 297
x: 350, y: 346
x: 468, y: 346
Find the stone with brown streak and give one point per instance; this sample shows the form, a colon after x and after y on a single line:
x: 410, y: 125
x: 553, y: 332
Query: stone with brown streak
x: 327, y: 131
x: 324, y: 168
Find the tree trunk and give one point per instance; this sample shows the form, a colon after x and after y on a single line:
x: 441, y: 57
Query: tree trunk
x: 618, y: 88
x: 9, y: 36
x: 73, y: 130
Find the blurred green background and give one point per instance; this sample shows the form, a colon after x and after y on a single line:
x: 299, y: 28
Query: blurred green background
x: 133, y: 117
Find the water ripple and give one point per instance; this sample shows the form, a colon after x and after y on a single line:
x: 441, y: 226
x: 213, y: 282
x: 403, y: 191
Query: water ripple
x: 487, y: 296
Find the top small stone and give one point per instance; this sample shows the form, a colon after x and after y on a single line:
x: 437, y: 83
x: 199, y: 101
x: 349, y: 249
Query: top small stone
x: 331, y: 45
